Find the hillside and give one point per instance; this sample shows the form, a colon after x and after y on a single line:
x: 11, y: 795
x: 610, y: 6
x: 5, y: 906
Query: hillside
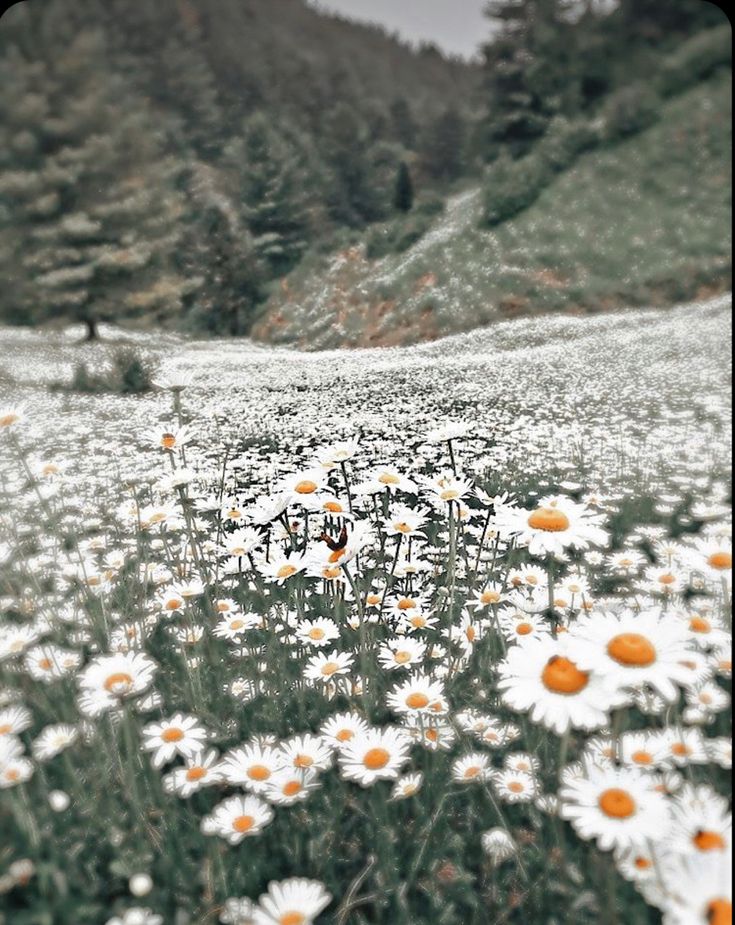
x: 645, y: 221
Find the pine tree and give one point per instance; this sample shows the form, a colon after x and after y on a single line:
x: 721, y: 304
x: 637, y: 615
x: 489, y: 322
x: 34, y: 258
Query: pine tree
x: 93, y: 216
x: 443, y: 155
x: 528, y: 67
x: 273, y: 187
x: 403, y: 196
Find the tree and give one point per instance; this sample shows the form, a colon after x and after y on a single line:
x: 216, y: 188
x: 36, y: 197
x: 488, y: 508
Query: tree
x: 93, y: 218
x: 273, y: 193
x: 403, y: 196
x: 443, y: 154
x: 528, y: 72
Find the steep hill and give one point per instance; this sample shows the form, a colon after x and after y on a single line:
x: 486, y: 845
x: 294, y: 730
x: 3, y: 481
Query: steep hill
x: 645, y: 221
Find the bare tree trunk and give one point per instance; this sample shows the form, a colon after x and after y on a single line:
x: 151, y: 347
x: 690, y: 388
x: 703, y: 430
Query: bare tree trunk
x: 92, y: 332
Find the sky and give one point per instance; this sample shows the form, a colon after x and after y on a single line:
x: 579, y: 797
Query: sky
x: 456, y: 26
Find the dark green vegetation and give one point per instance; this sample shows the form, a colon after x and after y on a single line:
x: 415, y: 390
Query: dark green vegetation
x: 190, y: 163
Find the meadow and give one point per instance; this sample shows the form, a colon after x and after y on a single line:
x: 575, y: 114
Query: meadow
x: 412, y: 636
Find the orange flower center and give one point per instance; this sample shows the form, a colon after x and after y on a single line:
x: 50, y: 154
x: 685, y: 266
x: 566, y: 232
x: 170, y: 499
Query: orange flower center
x: 709, y: 841
x: 259, y: 772
x: 642, y: 863
x: 372, y: 599
x: 168, y: 441
x: 45, y: 664
x: 172, y: 735
x: 119, y: 683
x: 642, y: 757
x: 406, y: 603
x: 329, y: 668
x: 387, y: 478
x: 472, y: 772
x: 417, y: 701
x: 285, y: 571
x: 631, y: 649
x: 616, y: 803
x: 402, y: 527
x: 316, y: 633
x: 5, y: 729
x: 720, y: 561
x: 292, y: 918
x: 515, y: 787
x: 666, y: 579
x: 334, y: 507
x: 402, y: 657
x: 197, y: 773
x: 699, y: 625
x: 561, y: 676
x: 305, y: 487
x: 243, y: 823
x: 344, y: 735
x: 291, y: 788
x: 7, y: 419
x: 548, y: 519
x: 489, y: 597
x: 523, y: 629
x: 376, y: 758
x: 303, y: 761
x: 719, y: 912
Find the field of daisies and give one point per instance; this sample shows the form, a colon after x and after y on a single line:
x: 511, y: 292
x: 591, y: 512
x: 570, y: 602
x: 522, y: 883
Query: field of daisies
x: 419, y: 636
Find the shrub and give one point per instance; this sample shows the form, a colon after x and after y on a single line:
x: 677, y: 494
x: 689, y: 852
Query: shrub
x: 511, y: 186
x: 630, y: 110
x: 565, y: 141
x: 129, y: 374
x: 696, y: 60
x: 397, y: 236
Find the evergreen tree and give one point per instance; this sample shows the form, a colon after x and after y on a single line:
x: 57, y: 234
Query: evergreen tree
x: 443, y: 153
x: 405, y: 129
x: 94, y: 214
x: 403, y: 196
x: 528, y: 68
x: 273, y: 193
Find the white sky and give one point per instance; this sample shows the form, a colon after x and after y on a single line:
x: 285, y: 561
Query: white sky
x: 456, y: 26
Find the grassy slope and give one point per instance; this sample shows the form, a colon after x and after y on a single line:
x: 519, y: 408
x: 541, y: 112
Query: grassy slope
x: 644, y: 222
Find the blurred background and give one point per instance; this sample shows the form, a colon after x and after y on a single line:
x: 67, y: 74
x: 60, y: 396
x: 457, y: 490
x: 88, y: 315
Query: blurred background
x: 359, y: 172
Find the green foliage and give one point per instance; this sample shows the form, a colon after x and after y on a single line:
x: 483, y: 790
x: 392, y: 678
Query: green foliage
x: 403, y: 195
x: 128, y: 373
x: 629, y: 111
x: 397, y: 236
x: 696, y: 60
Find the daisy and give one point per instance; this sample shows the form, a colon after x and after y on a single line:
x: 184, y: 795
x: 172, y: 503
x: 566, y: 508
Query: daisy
x: 282, y: 567
x: 515, y: 786
x: 237, y: 818
x: 251, y: 766
x: 472, y: 768
x: 492, y: 593
x: 633, y: 649
x: 685, y: 746
x: 407, y: 786
x: 14, y: 720
x: 242, y: 542
x: 701, y: 821
x: 377, y: 754
x: 498, y: 845
x: 519, y: 627
x: 522, y: 761
x: 417, y: 695
x: 52, y: 740
x: 553, y: 526
x: 406, y: 521
x: 109, y: 679
x: 645, y: 750
x: 698, y: 890
x: 304, y: 488
x: 318, y: 633
x: 201, y: 770
x: 179, y: 735
x: 618, y: 807
x: 327, y: 668
x: 15, y: 770
x: 541, y: 678
x: 386, y: 478
x: 289, y: 786
x: 233, y: 625
x: 401, y: 652
x: 342, y: 728
x: 292, y: 902
x: 306, y: 752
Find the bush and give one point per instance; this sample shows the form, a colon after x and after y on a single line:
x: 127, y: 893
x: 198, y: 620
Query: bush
x: 129, y: 374
x: 696, y: 60
x: 511, y: 186
x: 630, y: 110
x: 565, y: 141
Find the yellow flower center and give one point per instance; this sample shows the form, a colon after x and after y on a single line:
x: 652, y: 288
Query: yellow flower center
x: 561, y: 676
x: 406, y: 603
x: 548, y: 519
x: 617, y: 803
x: 402, y: 657
x: 316, y: 633
x: 387, y: 478
x: 285, y: 571
x: 631, y: 649
x: 329, y: 668
x: 489, y: 597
